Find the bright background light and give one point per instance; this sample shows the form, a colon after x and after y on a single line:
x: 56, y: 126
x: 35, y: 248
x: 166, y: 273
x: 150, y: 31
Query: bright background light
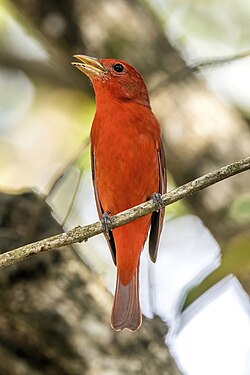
x: 212, y: 336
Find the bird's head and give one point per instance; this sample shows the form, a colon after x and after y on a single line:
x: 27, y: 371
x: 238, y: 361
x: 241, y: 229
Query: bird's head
x: 114, y: 79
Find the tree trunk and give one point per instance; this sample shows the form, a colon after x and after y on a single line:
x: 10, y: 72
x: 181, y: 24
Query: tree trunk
x: 54, y: 311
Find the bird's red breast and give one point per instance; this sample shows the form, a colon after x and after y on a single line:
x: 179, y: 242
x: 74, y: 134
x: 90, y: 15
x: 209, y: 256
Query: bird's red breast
x: 125, y: 141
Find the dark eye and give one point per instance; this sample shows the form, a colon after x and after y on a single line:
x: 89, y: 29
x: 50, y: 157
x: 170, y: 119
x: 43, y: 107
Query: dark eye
x: 118, y: 68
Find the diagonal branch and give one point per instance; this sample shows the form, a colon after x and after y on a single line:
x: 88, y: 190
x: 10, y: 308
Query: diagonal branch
x: 218, y: 61
x: 198, y: 67
x: 79, y: 234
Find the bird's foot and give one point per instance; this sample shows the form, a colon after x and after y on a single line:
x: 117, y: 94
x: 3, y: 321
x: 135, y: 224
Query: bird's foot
x: 158, y: 200
x: 106, y: 222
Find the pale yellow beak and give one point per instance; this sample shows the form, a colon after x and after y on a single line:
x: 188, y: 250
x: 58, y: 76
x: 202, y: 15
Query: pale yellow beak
x: 89, y: 66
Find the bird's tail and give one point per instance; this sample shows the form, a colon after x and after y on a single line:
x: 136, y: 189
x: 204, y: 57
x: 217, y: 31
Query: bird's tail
x: 126, y: 312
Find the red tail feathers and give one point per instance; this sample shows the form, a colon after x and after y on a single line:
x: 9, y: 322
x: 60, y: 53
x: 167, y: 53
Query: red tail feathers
x: 126, y: 312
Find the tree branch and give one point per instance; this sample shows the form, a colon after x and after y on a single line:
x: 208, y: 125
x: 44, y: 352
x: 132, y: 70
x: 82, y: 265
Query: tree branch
x: 198, y: 67
x: 218, y: 61
x: 79, y: 234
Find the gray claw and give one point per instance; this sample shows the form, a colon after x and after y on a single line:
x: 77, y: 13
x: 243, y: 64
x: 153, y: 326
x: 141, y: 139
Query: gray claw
x: 158, y: 200
x: 106, y: 222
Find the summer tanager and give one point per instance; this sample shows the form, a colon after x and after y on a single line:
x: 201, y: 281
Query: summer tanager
x: 128, y: 168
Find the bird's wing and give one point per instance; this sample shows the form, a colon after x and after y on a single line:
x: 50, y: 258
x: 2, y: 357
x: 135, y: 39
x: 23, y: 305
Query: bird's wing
x: 158, y: 216
x: 109, y: 237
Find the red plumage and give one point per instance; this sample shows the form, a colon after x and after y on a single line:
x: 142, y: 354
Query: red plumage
x: 128, y: 166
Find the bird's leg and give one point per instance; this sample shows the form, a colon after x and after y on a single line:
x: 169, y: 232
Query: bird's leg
x: 158, y: 200
x: 106, y: 222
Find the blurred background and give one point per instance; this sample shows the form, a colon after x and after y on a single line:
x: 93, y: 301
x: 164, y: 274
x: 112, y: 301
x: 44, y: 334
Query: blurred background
x: 54, y: 308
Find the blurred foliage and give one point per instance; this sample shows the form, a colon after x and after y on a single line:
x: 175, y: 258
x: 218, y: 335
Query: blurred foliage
x: 224, y: 23
x: 240, y: 209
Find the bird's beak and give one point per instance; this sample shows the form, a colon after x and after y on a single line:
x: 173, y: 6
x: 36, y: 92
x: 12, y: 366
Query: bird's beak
x: 89, y: 66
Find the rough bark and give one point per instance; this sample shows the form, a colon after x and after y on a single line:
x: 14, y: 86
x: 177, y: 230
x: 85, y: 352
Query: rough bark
x: 54, y: 311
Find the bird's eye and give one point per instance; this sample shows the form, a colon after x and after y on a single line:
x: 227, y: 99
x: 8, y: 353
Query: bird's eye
x: 118, y: 68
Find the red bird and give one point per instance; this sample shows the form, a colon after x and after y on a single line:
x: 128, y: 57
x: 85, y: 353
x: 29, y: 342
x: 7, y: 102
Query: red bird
x: 128, y: 168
